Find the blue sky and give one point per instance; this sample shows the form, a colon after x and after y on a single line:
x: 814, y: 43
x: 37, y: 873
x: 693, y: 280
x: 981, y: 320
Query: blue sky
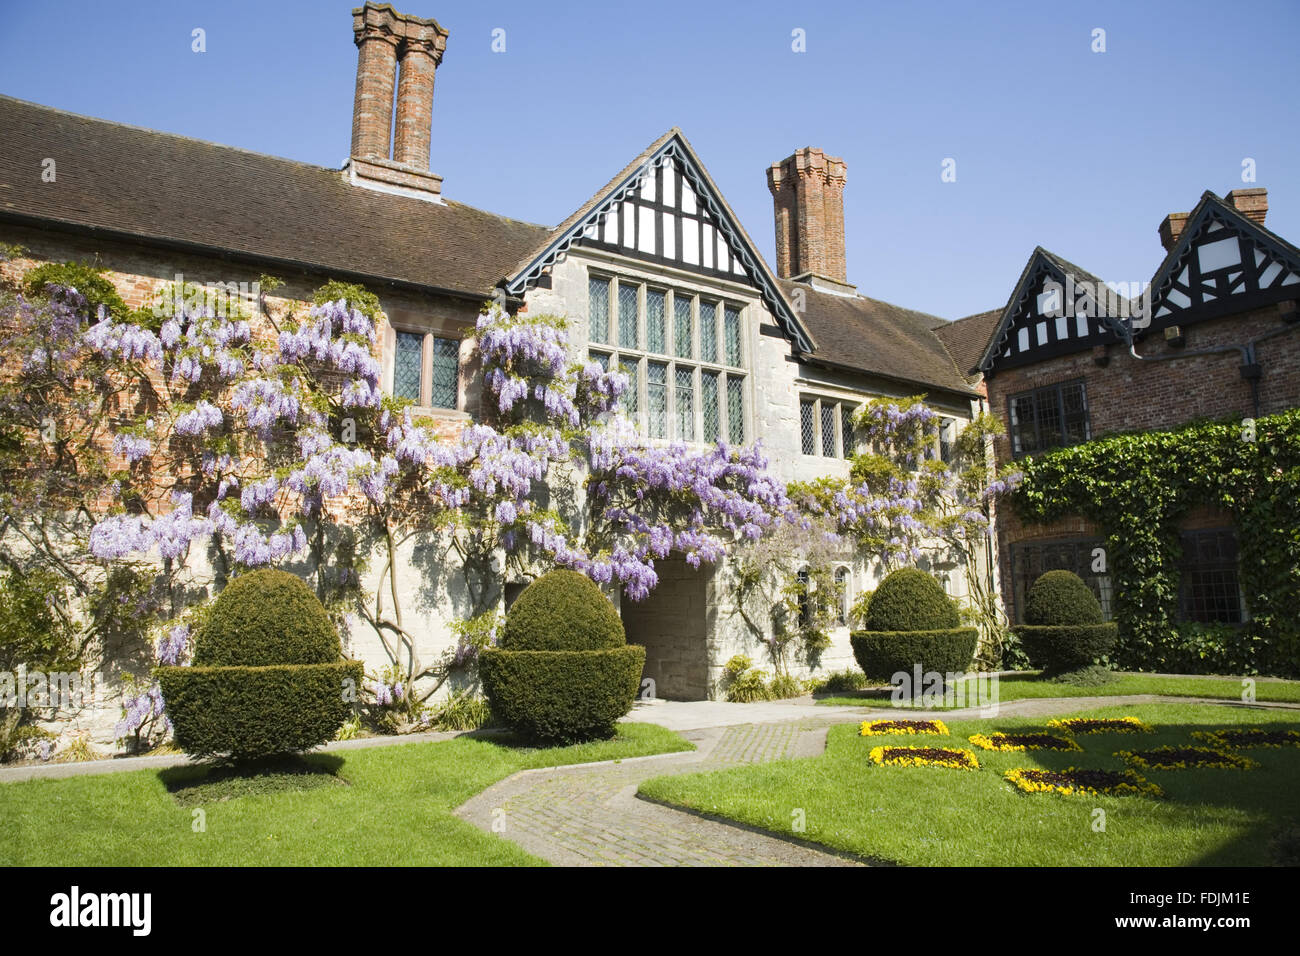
x: 1055, y: 145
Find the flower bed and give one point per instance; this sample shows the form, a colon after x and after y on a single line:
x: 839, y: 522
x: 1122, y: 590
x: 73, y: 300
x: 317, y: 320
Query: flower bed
x: 876, y: 728
x: 925, y: 757
x: 1076, y: 780
x: 1101, y: 725
x: 1186, y: 758
x: 1016, y: 742
x: 1238, y: 737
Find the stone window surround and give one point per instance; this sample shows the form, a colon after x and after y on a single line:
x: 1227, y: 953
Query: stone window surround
x: 430, y: 328
x: 818, y: 399
x: 666, y: 279
x: 804, y: 576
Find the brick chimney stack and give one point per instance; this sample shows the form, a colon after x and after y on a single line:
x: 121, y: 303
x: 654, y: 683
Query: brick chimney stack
x: 808, y: 202
x: 1251, y: 203
x: 395, y: 52
x: 1171, y: 227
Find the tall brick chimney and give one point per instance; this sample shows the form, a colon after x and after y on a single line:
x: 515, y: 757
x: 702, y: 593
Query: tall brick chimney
x: 808, y: 202
x: 395, y: 51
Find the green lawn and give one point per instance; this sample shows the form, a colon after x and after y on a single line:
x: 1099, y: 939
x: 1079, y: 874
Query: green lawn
x: 395, y: 808
x: 940, y: 817
x: 1030, y: 684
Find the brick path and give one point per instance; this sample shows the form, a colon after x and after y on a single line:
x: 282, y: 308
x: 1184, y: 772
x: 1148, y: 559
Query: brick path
x: 589, y: 815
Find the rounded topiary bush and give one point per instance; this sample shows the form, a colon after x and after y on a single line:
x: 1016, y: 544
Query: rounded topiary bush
x: 911, y: 623
x: 268, y: 677
x: 910, y: 600
x: 564, y: 671
x: 1061, y: 597
x: 562, y: 611
x: 1064, y: 629
x: 883, y: 655
x: 266, y: 617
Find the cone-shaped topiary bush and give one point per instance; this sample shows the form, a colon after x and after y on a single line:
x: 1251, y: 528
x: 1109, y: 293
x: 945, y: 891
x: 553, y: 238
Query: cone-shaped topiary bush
x: 1061, y: 597
x: 1064, y: 630
x: 910, y: 600
x: 266, y: 617
x: 912, y: 623
x: 564, y: 671
x: 562, y: 611
x: 268, y: 677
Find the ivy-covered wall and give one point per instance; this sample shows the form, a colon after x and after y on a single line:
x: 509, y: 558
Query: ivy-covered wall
x: 1139, y: 487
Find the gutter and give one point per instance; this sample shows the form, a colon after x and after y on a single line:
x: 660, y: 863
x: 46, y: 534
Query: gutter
x: 967, y: 393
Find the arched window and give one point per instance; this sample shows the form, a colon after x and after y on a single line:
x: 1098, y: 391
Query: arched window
x: 805, y: 598
x: 842, y: 593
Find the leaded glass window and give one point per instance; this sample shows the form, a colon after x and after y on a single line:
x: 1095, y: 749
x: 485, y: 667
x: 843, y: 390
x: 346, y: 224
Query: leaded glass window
x: 408, y: 366
x: 1030, y: 561
x: 807, y: 426
x: 1048, y: 417
x: 598, y: 309
x: 682, y: 345
x: 846, y: 429
x: 842, y: 596
x: 708, y: 331
x: 731, y: 335
x: 655, y: 322
x: 681, y: 400
x: 446, y: 373
x: 657, y: 398
x: 709, y: 401
x: 685, y: 403
x: 736, y: 410
x: 1210, y: 591
x: 631, y: 397
x: 828, y: 429
x: 628, y: 315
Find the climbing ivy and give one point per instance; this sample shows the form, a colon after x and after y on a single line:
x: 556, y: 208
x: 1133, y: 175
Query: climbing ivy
x: 1138, y: 486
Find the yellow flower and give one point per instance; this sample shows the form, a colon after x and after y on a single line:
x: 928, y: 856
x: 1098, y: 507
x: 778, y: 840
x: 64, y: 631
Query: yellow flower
x: 1077, y: 780
x: 1239, y: 737
x: 1101, y: 725
x: 1024, y: 741
x: 1186, y: 758
x: 925, y: 757
x: 877, y: 728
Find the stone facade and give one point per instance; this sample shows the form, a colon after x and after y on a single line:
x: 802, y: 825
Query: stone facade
x: 692, y: 624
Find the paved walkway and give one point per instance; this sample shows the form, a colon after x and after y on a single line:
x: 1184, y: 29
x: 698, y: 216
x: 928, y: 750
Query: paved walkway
x: 589, y: 814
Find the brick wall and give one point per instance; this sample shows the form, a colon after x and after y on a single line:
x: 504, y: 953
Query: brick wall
x: 1126, y: 394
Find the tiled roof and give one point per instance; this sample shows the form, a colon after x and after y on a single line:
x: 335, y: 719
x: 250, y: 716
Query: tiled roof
x: 965, y: 339
x: 166, y: 188
x: 878, y: 338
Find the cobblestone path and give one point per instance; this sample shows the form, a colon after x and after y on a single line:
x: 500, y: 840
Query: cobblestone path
x: 589, y: 815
